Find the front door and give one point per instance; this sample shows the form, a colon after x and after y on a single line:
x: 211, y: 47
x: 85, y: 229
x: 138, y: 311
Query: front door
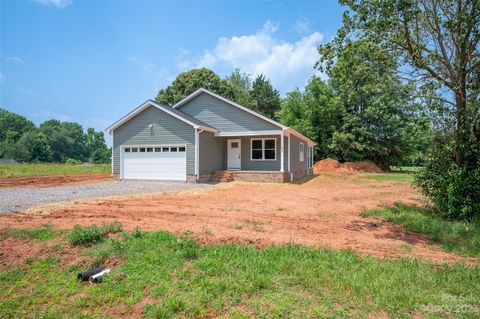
x: 234, y: 150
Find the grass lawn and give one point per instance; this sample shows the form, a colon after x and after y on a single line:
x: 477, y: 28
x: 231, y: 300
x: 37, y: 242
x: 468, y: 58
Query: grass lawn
x: 461, y: 238
x: 182, y: 279
x: 17, y: 170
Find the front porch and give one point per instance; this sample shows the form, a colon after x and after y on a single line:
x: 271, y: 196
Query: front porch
x: 248, y: 176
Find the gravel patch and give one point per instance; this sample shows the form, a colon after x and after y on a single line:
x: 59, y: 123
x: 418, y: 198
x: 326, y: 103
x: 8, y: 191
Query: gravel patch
x: 20, y: 198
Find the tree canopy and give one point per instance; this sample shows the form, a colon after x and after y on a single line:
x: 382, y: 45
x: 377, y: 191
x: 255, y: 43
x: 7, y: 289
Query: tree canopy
x: 52, y: 141
x: 436, y: 46
x: 188, y: 82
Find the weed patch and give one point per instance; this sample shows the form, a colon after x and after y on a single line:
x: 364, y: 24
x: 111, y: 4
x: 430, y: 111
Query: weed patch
x: 83, y: 235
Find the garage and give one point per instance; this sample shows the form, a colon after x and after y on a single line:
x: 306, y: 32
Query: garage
x: 162, y: 162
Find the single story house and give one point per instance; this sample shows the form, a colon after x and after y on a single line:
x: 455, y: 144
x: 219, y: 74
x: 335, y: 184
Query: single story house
x: 206, y: 136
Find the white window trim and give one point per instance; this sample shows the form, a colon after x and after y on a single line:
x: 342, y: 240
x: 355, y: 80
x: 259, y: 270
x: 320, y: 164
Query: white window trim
x: 301, y: 152
x: 263, y: 149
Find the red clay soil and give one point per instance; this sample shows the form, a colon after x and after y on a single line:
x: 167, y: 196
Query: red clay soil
x: 51, y: 180
x: 324, y: 212
x: 15, y: 251
x: 333, y: 166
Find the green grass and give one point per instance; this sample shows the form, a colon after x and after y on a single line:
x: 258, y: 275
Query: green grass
x: 184, y: 280
x: 17, y: 170
x: 84, y: 235
x: 46, y: 232
x: 459, y: 237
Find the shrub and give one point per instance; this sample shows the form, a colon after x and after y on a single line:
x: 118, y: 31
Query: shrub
x: 72, y: 161
x: 454, y: 189
x: 81, y: 235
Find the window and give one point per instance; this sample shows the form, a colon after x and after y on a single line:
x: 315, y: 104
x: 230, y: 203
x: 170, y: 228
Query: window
x: 234, y: 145
x: 127, y: 150
x: 301, y: 152
x: 263, y: 149
x: 141, y: 149
x: 181, y: 149
x: 149, y: 149
x: 134, y: 149
x: 173, y: 149
x: 158, y: 149
x: 165, y: 149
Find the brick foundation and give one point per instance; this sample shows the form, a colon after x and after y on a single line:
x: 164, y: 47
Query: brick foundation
x: 191, y: 178
x: 250, y: 176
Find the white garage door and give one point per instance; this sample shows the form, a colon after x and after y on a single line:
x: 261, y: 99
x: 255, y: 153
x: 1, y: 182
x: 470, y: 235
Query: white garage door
x: 154, y: 162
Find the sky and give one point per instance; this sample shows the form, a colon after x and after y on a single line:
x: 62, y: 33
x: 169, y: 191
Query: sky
x: 94, y: 61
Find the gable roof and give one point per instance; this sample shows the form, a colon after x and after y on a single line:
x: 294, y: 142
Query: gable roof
x: 194, y: 122
x: 289, y: 130
x: 202, y: 90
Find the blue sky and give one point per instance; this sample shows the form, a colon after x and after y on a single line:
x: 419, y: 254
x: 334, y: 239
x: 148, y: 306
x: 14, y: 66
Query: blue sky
x: 93, y: 61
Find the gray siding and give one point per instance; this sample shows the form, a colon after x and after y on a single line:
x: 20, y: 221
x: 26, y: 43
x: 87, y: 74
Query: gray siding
x: 249, y: 165
x: 213, y: 152
x: 166, y: 130
x: 296, y: 167
x: 223, y: 116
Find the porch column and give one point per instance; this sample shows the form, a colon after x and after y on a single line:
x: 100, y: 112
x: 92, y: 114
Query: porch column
x: 197, y: 151
x: 282, y: 152
x: 288, y: 152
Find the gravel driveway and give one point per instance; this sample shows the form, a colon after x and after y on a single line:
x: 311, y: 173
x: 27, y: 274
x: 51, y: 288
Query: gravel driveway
x: 20, y: 198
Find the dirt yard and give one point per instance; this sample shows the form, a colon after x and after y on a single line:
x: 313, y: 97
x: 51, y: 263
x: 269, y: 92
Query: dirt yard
x: 323, y: 212
x: 52, y: 180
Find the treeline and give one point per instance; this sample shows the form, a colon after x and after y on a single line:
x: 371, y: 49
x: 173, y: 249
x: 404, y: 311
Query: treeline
x: 362, y: 113
x: 52, y: 141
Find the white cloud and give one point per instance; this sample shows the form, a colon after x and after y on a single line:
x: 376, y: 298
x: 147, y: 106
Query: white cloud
x: 286, y: 64
x: 304, y: 25
x: 60, y: 4
x: 15, y: 59
x: 44, y: 115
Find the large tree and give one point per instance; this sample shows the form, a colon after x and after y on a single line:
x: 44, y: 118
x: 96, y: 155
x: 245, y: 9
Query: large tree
x: 265, y: 97
x: 66, y: 139
x: 375, y: 107
x: 12, y: 127
x: 188, y: 82
x: 241, y: 85
x: 316, y: 112
x: 95, y: 147
x: 437, y: 45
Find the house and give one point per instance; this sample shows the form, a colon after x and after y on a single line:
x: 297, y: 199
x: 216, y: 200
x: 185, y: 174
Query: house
x: 203, y: 137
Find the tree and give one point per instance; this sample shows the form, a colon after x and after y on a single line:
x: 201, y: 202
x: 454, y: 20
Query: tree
x: 66, y: 140
x: 32, y: 147
x: 241, y: 85
x: 375, y: 105
x: 316, y: 113
x: 266, y: 98
x: 12, y: 127
x: 437, y: 44
x: 188, y: 82
x: 96, y: 148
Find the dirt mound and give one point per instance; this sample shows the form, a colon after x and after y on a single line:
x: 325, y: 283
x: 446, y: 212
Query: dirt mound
x: 334, y: 166
x: 326, y: 165
x: 51, y: 180
x: 365, y: 166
